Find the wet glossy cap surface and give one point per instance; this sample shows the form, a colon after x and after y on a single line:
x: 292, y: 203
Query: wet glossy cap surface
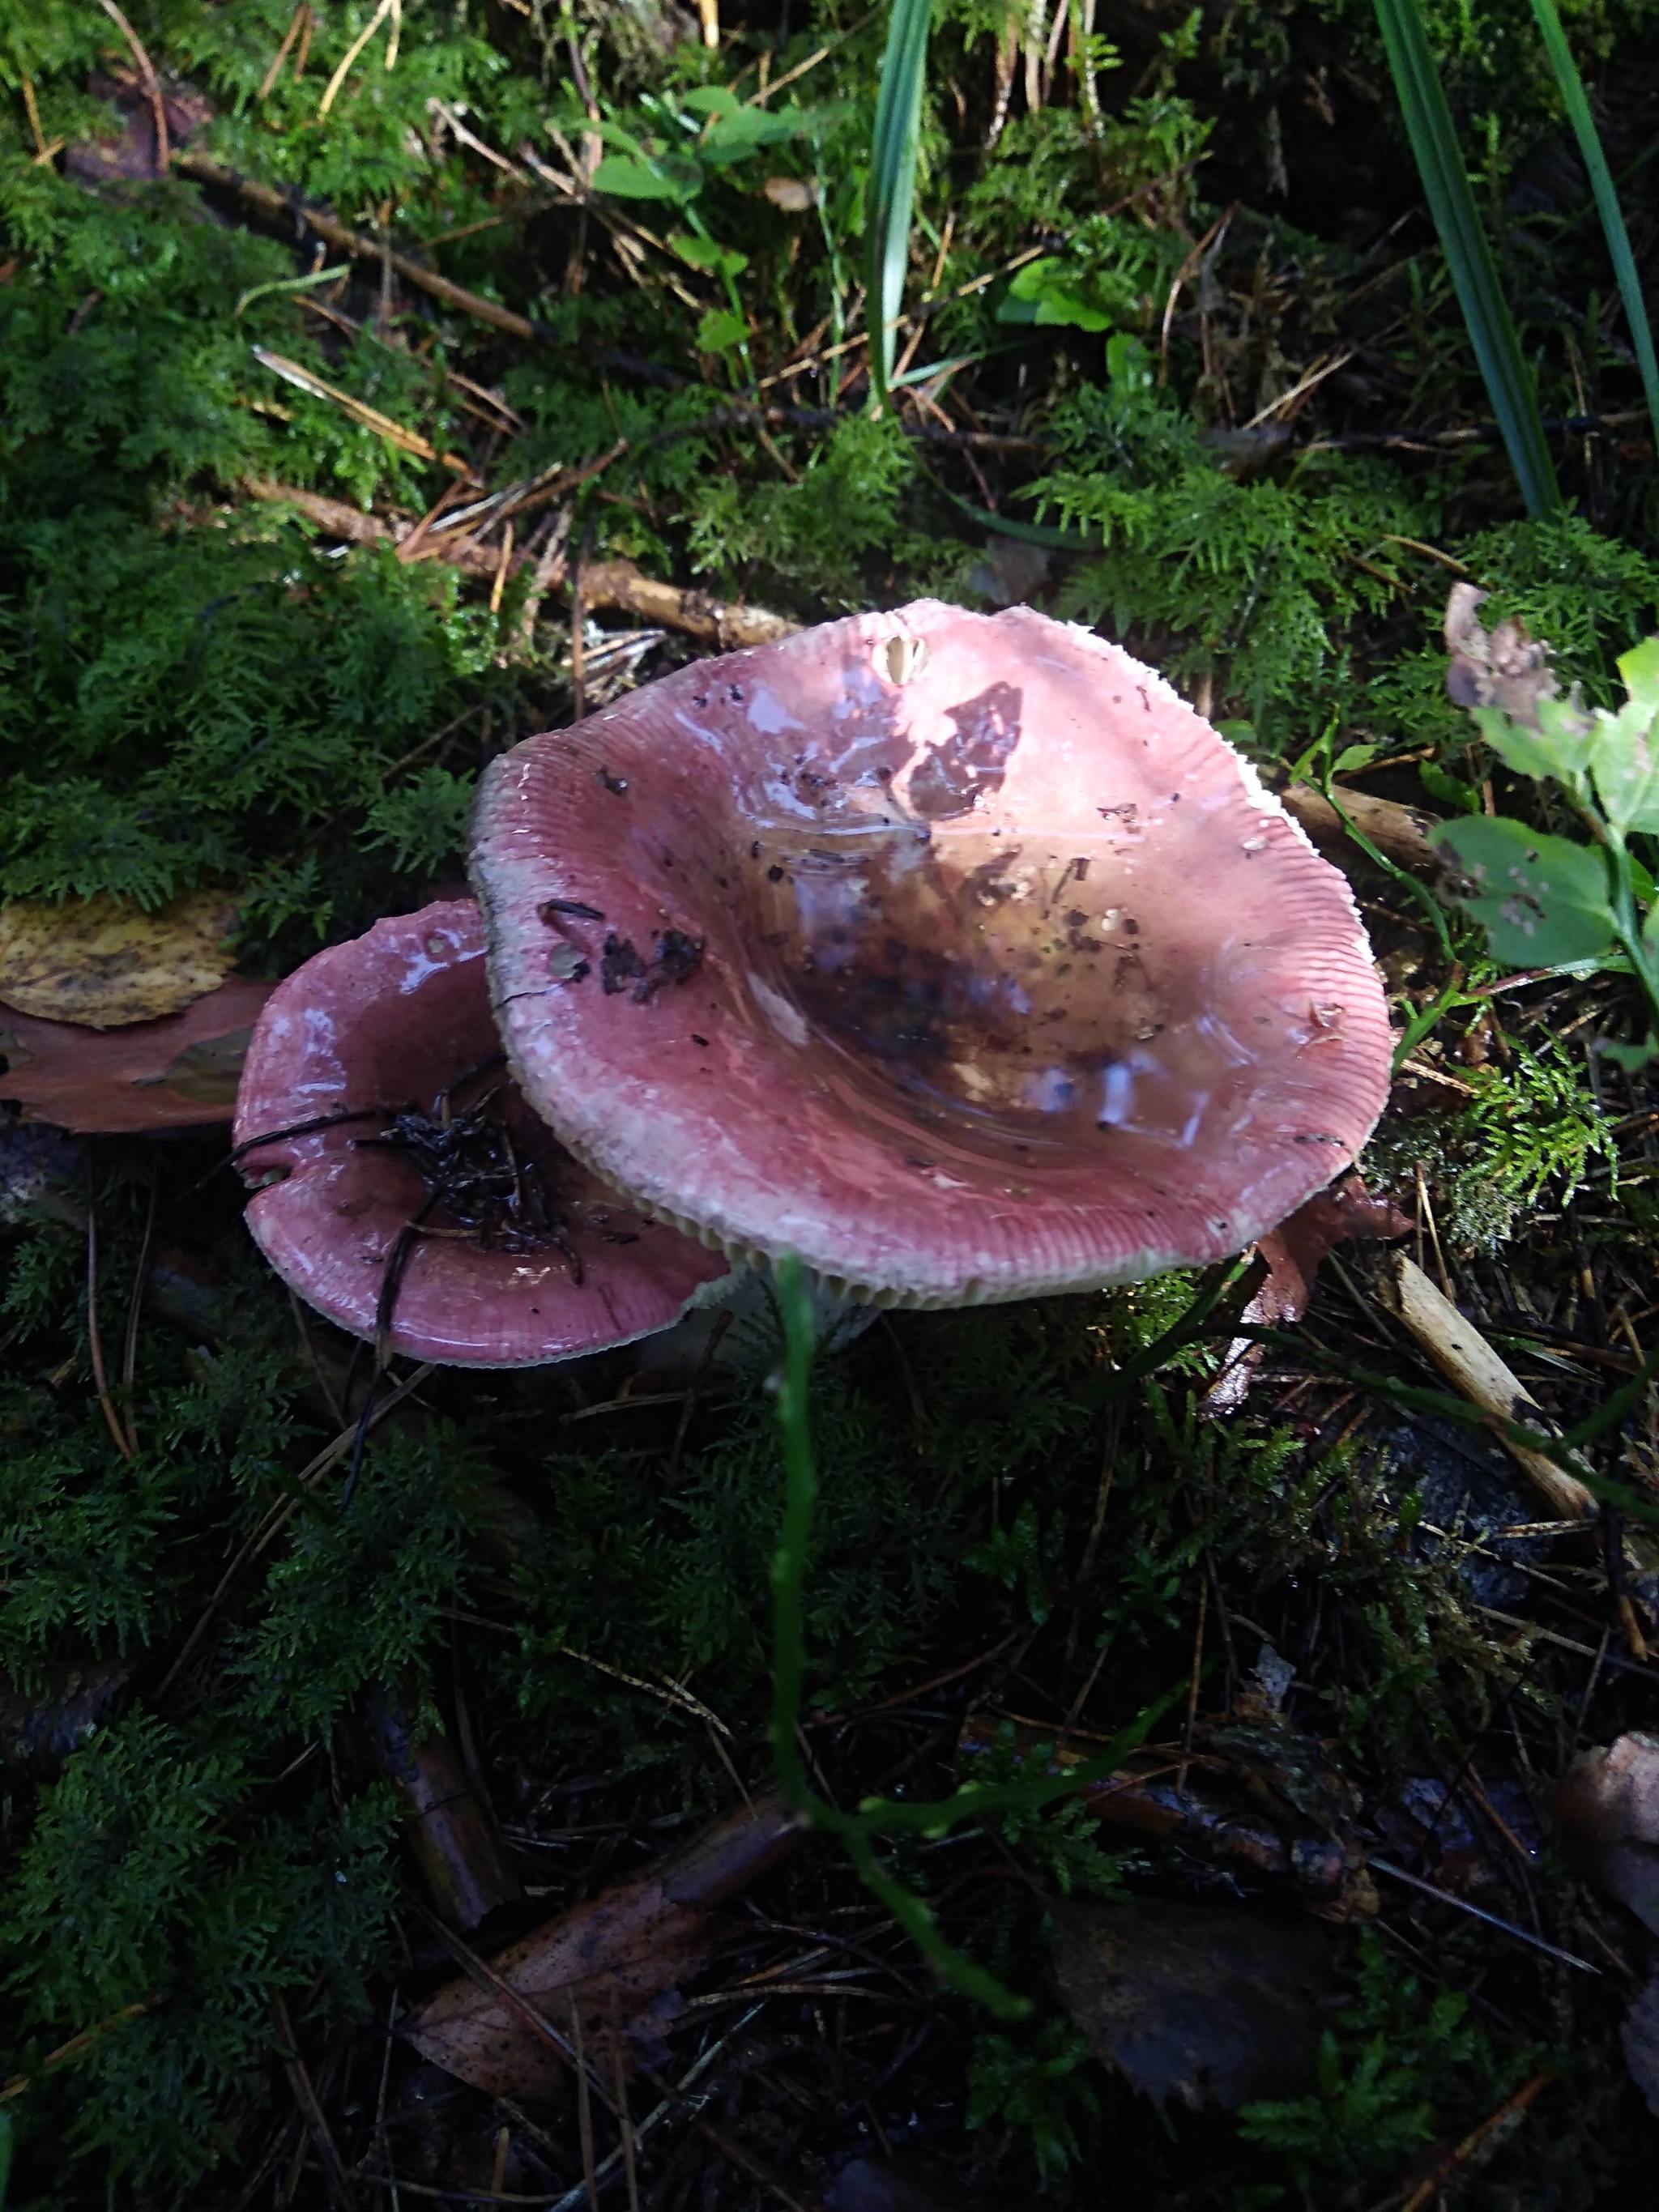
x: 951, y: 951
x: 388, y: 1021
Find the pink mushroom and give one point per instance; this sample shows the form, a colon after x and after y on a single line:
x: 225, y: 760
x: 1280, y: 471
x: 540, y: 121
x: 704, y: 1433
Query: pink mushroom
x: 953, y: 952
x: 458, y: 1231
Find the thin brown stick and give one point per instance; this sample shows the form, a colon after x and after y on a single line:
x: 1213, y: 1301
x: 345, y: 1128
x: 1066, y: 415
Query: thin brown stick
x: 95, y: 1342
x: 282, y: 51
x: 277, y: 1518
x: 451, y: 495
x: 603, y: 583
x: 134, y: 1307
x: 579, y: 646
x: 1198, y: 1670
x: 552, y: 565
x: 311, y: 2108
x: 33, y: 114
x: 395, y: 433
x: 348, y: 59
x: 19, y: 2083
x: 149, y: 79
x: 1478, y: 1913
x: 584, y: 2105
x: 282, y: 209
x: 502, y: 568
x: 624, y: 2118
x: 1512, y: 2107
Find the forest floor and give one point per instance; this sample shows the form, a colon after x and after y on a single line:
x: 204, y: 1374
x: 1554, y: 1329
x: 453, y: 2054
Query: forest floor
x: 1181, y: 361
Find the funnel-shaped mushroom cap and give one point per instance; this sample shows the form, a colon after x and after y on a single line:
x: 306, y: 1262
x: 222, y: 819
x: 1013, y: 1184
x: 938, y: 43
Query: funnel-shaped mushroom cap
x: 951, y: 951
x: 525, y: 1257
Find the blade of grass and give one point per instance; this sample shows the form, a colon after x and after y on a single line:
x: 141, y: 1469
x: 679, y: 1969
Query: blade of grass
x: 894, y: 146
x: 1468, y: 255
x: 877, y: 1816
x: 1571, y: 87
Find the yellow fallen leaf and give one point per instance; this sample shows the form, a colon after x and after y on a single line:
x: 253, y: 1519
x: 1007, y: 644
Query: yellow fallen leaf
x: 106, y: 965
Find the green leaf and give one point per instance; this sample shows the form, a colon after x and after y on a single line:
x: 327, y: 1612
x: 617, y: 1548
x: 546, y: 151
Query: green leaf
x: 1549, y: 753
x: 1632, y: 1058
x: 1639, y: 671
x: 733, y: 138
x: 721, y: 331
x: 1623, y: 760
x: 1449, y: 790
x: 626, y: 178
x: 1543, y: 900
x: 1621, y: 749
x: 711, y: 100
x: 1352, y: 757
x: 1048, y: 291
x: 1468, y: 256
x: 708, y: 253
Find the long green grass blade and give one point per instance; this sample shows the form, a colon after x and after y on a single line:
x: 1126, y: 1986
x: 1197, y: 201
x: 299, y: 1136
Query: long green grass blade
x: 892, y: 180
x: 1468, y: 256
x: 1571, y: 89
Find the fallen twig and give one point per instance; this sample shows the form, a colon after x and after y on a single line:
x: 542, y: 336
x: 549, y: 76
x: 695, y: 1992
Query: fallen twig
x: 1404, y: 833
x: 1470, y: 1363
x: 617, y: 583
x: 150, y: 81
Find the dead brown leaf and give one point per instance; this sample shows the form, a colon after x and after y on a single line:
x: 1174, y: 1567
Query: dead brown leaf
x: 1608, y: 1809
x: 1294, y: 1252
x: 617, y: 1958
x: 106, y: 966
x: 794, y: 195
x: 870, y: 2184
x: 1195, y: 2001
x: 1640, y: 2037
x: 175, y: 1073
x: 1504, y: 667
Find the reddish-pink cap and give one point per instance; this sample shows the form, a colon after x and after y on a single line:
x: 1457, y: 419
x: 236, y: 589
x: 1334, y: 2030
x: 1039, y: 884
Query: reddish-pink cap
x: 953, y: 952
x: 386, y: 1022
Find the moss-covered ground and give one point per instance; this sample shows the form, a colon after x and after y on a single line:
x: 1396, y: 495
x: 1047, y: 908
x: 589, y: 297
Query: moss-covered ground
x: 1184, y: 362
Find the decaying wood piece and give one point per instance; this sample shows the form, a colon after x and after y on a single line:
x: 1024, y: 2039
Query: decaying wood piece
x: 453, y: 1835
x: 1255, y: 1797
x: 615, y: 583
x: 175, y: 1073
x: 620, y: 584
x: 1404, y: 835
x: 1470, y: 1363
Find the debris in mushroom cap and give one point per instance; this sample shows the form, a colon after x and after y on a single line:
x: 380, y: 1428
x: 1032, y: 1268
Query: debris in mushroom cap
x: 977, y: 891
x: 406, y: 1189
